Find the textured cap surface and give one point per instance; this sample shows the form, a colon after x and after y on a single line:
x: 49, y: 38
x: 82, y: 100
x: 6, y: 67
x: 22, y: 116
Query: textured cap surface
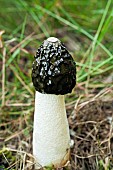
x: 54, y: 70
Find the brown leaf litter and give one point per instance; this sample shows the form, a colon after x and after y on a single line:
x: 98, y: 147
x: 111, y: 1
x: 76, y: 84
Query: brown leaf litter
x: 91, y: 128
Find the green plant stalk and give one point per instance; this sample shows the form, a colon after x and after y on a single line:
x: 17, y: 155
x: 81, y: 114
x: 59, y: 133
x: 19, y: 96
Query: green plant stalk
x: 95, y: 41
x: 85, y: 33
x: 35, y: 17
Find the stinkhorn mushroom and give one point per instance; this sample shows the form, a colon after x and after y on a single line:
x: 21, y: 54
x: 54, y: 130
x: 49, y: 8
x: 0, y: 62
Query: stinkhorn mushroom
x: 53, y: 76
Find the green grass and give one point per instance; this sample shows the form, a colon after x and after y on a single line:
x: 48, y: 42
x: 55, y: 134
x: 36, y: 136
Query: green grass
x: 28, y: 23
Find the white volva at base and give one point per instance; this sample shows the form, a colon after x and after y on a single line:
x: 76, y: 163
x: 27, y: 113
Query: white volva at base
x: 51, y: 139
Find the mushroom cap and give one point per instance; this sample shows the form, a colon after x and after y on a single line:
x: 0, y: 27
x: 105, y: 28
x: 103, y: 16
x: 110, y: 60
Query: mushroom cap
x: 54, y: 70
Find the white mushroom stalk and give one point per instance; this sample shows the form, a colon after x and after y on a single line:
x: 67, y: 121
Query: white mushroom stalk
x: 53, y: 75
x: 51, y: 140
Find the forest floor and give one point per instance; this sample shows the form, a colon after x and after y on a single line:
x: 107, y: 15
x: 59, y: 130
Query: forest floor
x: 91, y: 129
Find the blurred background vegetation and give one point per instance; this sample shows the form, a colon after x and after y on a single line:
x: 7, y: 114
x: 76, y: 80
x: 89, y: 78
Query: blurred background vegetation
x: 84, y: 26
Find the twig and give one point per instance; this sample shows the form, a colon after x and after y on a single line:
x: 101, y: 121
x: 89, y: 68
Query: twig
x: 24, y: 159
x: 3, y: 77
x: 16, y: 134
x: 5, y: 158
x: 18, y: 45
x: 89, y: 156
x: 21, y: 81
x: 18, y: 104
x: 12, y: 165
